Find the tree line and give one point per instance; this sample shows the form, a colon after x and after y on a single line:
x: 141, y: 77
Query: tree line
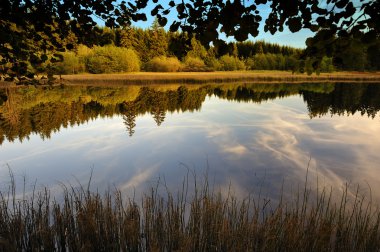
x: 134, y: 49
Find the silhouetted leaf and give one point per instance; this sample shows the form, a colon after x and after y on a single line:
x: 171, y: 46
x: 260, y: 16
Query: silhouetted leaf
x: 156, y: 9
x: 174, y: 26
x: 180, y: 8
x: 162, y: 21
x: 294, y: 24
x: 341, y: 3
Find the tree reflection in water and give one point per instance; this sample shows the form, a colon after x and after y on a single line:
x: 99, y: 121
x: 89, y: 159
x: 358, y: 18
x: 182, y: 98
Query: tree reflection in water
x: 28, y: 110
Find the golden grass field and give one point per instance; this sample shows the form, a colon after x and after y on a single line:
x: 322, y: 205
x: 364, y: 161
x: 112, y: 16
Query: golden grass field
x: 218, y: 77
x: 259, y: 76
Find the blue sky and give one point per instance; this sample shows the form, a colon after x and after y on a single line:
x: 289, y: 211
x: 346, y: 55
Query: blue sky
x: 283, y: 38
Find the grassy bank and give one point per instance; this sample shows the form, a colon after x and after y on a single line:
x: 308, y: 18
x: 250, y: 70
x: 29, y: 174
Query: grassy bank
x: 217, y: 77
x: 151, y: 78
x: 204, y: 221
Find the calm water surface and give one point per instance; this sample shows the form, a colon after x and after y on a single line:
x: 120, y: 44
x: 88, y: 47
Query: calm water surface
x: 252, y: 137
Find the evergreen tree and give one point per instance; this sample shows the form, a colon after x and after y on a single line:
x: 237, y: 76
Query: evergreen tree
x: 259, y: 49
x: 157, y: 41
x: 197, y: 50
x: 178, y: 44
x: 127, y: 38
x: 373, y: 53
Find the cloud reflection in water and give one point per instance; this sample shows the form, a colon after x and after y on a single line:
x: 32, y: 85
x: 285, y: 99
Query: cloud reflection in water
x: 247, y: 145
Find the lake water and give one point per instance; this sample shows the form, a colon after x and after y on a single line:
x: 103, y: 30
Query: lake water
x: 251, y: 138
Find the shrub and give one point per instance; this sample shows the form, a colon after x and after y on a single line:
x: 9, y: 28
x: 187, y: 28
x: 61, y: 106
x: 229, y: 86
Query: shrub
x: 327, y: 65
x: 213, y: 64
x: 194, y: 64
x: 71, y: 64
x: 292, y: 63
x: 230, y: 63
x: 250, y: 63
x: 112, y: 59
x: 261, y: 62
x: 163, y: 64
x: 83, y: 53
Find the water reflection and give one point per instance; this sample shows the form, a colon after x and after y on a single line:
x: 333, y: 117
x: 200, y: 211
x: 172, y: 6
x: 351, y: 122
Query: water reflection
x: 42, y: 111
x: 253, y: 136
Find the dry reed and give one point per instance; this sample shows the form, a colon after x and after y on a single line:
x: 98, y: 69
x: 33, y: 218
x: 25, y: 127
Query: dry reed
x: 202, y: 220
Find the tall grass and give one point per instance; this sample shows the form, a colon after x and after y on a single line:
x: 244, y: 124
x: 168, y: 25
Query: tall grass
x: 202, y: 220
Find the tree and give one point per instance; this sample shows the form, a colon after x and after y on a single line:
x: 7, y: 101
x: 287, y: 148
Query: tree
x: 179, y: 44
x: 33, y: 31
x: 327, y: 65
x: 259, y: 49
x: 157, y: 41
x: 197, y: 49
x: 127, y: 38
x: 373, y: 53
x: 230, y: 63
x: 350, y: 54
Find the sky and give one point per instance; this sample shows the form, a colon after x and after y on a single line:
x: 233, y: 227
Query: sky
x: 283, y: 38
x: 286, y: 37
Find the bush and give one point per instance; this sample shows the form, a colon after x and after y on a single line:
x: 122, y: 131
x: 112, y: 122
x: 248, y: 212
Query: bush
x: 213, y: 64
x: 260, y: 62
x: 230, y: 63
x: 194, y: 64
x: 163, y: 64
x: 250, y: 63
x: 112, y: 59
x: 327, y: 65
x: 83, y: 53
x: 71, y: 64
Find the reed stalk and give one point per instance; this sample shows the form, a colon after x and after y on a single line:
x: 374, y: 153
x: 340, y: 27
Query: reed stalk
x: 197, y: 220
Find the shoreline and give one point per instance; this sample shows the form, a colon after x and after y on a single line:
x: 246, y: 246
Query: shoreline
x: 264, y: 76
x: 217, y: 77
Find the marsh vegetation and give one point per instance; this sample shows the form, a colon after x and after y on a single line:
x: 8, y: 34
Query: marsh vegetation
x: 188, y: 220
